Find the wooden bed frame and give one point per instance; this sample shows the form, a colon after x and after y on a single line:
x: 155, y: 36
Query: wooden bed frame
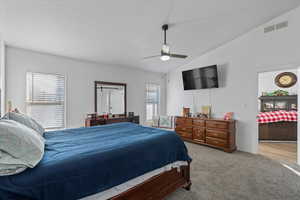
x: 280, y: 131
x: 159, y: 186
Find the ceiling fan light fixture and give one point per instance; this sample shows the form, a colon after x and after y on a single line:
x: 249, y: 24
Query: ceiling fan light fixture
x: 165, y: 49
x: 165, y: 54
x: 165, y: 57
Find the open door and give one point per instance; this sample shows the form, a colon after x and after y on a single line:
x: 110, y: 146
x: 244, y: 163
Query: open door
x: 278, y: 115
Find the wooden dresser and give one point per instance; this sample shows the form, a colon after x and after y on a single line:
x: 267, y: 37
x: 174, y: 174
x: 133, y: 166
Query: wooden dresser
x: 210, y: 132
x: 101, y: 121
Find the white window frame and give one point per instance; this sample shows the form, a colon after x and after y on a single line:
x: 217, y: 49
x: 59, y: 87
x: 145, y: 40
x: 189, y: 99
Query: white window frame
x: 2, y: 78
x: 65, y: 98
x: 158, y: 103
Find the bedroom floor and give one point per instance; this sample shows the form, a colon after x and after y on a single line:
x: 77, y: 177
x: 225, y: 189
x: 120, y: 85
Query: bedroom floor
x: 280, y: 151
x: 223, y: 176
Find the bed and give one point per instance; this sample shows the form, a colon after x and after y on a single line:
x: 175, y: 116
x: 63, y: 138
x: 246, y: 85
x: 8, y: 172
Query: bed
x: 117, y: 161
x: 278, y: 118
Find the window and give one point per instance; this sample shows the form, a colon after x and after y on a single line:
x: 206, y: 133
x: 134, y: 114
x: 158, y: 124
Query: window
x: 2, y: 77
x: 152, y: 101
x: 46, y: 99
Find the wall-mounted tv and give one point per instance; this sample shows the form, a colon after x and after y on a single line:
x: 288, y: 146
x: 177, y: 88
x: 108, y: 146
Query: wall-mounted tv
x: 201, y: 78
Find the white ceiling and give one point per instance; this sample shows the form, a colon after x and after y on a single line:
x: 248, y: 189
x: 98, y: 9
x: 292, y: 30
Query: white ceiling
x: 122, y: 32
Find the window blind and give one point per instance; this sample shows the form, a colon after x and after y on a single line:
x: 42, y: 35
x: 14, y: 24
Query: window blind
x: 152, y: 100
x: 152, y: 93
x: 46, y: 99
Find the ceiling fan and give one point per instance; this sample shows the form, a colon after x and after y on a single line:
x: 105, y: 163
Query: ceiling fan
x: 165, y: 50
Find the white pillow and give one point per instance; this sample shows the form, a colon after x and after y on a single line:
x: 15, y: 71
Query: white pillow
x: 20, y: 147
x: 25, y: 120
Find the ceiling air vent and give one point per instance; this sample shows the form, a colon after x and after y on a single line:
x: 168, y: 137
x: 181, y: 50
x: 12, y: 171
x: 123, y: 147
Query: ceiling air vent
x: 282, y: 25
x: 269, y: 29
x: 275, y: 27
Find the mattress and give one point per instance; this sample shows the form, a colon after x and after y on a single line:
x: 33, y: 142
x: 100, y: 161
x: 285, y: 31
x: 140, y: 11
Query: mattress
x: 86, y: 161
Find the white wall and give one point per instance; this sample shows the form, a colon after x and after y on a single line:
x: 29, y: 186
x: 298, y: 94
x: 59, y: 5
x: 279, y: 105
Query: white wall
x: 239, y: 62
x: 266, y: 82
x: 80, y: 77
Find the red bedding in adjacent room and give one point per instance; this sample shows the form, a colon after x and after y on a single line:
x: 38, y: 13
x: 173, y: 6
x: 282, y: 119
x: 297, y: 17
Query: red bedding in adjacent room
x: 277, y: 116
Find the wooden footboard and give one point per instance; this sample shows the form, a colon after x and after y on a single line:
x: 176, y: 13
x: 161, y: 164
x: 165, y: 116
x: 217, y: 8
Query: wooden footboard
x: 285, y: 131
x: 158, y: 187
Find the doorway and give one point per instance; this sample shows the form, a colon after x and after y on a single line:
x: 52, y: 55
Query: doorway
x: 278, y: 114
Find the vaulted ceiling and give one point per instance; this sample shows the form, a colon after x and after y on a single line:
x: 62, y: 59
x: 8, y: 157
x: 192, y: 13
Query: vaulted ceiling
x: 122, y: 32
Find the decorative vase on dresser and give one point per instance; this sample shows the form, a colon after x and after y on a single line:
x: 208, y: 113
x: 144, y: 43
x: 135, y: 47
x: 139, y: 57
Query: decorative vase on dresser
x: 210, y: 132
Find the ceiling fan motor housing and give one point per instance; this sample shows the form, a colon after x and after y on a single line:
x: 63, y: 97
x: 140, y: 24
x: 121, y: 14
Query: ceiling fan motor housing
x: 165, y: 27
x: 165, y: 49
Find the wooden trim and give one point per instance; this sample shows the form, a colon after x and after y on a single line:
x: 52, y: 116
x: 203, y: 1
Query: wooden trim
x: 111, y: 83
x: 159, y: 186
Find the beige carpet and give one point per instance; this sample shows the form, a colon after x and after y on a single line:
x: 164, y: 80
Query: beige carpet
x: 217, y: 175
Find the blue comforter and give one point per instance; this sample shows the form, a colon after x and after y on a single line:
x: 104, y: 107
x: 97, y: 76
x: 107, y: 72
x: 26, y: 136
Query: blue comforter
x: 84, y: 161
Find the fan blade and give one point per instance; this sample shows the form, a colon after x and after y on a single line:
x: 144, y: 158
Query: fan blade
x: 178, y: 56
x: 148, y: 57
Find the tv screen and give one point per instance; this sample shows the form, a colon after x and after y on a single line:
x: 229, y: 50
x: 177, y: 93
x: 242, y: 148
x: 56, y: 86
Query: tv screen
x: 200, y: 78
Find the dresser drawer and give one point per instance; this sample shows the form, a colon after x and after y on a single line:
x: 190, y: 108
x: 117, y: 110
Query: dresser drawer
x: 198, y: 122
x: 96, y: 122
x: 217, y: 133
x: 184, y: 129
x: 185, y: 134
x: 199, y: 134
x: 217, y: 124
x: 184, y: 121
x: 180, y: 120
x: 216, y: 142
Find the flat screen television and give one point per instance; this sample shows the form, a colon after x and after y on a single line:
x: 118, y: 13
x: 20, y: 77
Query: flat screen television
x: 200, y: 78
